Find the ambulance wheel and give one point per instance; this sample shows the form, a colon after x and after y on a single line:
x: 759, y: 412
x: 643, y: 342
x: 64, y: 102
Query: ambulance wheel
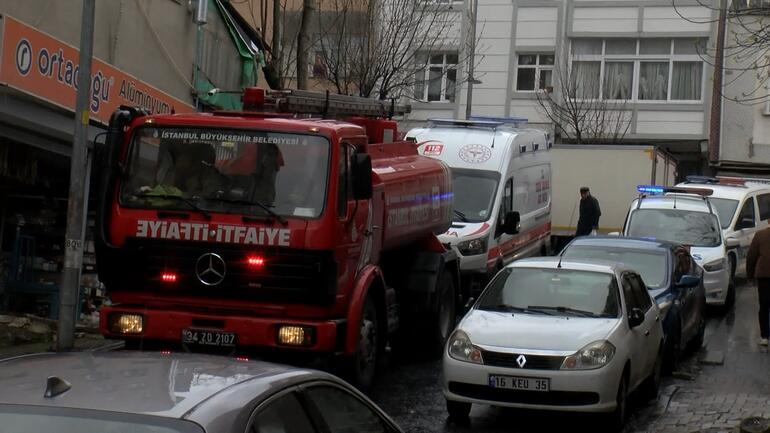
x: 441, y: 323
x: 362, y: 367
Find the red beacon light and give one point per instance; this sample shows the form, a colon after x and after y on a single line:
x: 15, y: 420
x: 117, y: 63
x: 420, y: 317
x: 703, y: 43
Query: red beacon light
x: 255, y: 262
x: 168, y: 277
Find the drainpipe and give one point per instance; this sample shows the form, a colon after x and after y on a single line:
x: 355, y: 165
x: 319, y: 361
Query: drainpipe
x: 201, y: 15
x: 715, y: 131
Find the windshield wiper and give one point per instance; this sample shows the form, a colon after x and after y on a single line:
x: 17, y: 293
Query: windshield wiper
x: 184, y: 200
x: 259, y: 204
x: 561, y: 309
x: 511, y: 308
x: 462, y: 216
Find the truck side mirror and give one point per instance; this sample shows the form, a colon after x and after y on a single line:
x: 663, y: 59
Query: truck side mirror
x: 511, y: 223
x: 361, y: 171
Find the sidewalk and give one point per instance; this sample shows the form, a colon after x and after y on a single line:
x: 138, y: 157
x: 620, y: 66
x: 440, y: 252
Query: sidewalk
x: 720, y: 396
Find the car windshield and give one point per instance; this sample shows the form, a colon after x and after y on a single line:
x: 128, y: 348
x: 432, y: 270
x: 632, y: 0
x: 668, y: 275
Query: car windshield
x: 552, y: 291
x: 698, y: 229
x: 725, y: 208
x: 651, y: 265
x: 26, y: 419
x: 232, y: 171
x: 474, y: 194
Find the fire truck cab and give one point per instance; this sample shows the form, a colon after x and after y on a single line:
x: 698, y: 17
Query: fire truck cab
x: 268, y: 231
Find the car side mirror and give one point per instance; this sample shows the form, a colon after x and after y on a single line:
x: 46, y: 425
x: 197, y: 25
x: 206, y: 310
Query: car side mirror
x: 361, y: 171
x: 688, y: 281
x: 512, y: 223
x: 732, y: 242
x: 635, y: 317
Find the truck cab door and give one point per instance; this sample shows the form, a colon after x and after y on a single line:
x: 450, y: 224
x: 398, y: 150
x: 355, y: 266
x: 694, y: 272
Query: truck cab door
x: 352, y: 234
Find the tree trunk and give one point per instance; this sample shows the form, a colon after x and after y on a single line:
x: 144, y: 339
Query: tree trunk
x: 277, y: 54
x: 303, y: 43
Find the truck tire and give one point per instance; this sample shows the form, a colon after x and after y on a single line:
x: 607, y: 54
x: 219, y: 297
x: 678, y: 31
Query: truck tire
x: 362, y: 367
x: 441, y: 323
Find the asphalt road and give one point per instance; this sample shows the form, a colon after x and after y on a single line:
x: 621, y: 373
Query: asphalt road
x: 409, y: 390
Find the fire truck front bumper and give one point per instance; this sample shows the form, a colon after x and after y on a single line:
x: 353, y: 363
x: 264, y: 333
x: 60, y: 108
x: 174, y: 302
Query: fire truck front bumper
x: 188, y: 328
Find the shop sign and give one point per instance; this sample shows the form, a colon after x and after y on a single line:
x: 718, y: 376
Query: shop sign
x: 38, y: 64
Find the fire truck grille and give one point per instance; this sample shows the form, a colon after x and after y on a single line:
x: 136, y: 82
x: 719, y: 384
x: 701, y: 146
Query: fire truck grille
x: 275, y: 274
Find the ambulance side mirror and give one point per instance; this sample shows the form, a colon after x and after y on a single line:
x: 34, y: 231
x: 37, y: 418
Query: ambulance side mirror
x: 512, y: 223
x: 361, y: 172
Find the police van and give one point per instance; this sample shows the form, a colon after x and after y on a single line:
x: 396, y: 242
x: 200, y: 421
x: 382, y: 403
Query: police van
x: 685, y: 216
x: 501, y: 179
x: 743, y: 206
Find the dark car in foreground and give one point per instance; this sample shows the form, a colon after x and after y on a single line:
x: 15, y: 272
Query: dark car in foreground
x: 143, y: 392
x: 673, y: 278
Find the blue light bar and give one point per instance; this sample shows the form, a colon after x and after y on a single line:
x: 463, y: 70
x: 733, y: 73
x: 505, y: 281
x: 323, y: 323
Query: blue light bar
x: 650, y: 189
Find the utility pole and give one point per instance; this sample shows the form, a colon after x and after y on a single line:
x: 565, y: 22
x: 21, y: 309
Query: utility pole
x: 73, y: 242
x: 715, y: 123
x: 201, y: 18
x: 471, y: 61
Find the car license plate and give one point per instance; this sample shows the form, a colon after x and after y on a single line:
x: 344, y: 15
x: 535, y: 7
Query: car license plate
x: 208, y: 338
x: 520, y: 383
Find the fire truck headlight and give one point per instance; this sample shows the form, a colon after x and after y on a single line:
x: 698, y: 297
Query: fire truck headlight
x: 293, y: 335
x: 121, y: 323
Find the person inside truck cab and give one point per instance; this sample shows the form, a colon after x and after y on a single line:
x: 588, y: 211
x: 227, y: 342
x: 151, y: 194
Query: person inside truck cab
x: 187, y: 169
x: 255, y: 169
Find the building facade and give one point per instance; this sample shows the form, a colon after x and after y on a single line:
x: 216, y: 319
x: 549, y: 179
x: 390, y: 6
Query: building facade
x: 646, y: 59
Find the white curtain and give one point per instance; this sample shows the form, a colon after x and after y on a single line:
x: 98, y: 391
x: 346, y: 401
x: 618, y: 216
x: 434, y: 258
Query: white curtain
x: 686, y: 81
x: 617, y: 80
x: 653, y: 81
x: 585, y: 79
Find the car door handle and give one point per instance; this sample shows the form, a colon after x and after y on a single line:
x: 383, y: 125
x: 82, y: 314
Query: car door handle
x: 647, y: 333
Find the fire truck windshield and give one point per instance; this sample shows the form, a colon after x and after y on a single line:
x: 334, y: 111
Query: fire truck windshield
x: 232, y: 171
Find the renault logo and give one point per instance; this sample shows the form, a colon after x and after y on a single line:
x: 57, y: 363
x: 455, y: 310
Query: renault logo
x: 522, y: 361
x: 210, y: 269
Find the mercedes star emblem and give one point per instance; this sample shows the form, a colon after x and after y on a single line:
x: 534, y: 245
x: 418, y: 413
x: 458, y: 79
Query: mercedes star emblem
x: 210, y: 269
x: 522, y: 361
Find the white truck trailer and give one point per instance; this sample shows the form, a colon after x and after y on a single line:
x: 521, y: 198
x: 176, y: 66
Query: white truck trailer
x: 612, y: 172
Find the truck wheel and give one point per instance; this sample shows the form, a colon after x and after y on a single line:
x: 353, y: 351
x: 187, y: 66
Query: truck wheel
x: 363, y: 365
x: 442, y: 322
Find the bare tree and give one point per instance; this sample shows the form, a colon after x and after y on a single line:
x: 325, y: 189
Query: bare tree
x: 579, y: 107
x: 303, y: 41
x: 372, y: 47
x: 746, y: 52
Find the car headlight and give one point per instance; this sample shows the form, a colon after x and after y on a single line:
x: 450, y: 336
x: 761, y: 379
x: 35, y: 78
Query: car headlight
x: 473, y: 247
x: 592, y: 356
x: 461, y: 348
x: 716, y: 265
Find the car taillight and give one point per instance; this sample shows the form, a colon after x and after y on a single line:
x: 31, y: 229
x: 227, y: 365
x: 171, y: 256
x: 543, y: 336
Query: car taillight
x: 168, y: 277
x: 255, y: 262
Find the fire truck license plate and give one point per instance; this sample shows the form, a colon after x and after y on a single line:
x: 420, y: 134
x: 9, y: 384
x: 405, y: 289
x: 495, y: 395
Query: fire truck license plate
x: 208, y: 338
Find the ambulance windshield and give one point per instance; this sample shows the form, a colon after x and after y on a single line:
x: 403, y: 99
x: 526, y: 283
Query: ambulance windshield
x: 474, y: 194
x: 231, y: 171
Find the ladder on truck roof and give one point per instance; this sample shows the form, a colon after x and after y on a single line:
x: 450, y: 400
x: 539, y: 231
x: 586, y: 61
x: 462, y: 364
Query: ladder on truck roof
x: 324, y: 104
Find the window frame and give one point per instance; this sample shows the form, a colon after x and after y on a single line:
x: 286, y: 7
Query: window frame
x: 537, y: 67
x: 294, y: 391
x: 445, y: 67
x: 749, y: 202
x: 671, y: 58
x: 764, y: 213
x: 314, y: 412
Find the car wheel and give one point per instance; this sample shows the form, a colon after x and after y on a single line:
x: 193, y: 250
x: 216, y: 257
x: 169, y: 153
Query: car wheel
x: 363, y: 366
x: 697, y: 341
x: 617, y: 419
x: 458, y: 410
x: 442, y: 322
x: 672, y: 349
x: 651, y: 386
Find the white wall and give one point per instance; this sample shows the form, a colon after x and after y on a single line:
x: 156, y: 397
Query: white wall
x: 605, y: 19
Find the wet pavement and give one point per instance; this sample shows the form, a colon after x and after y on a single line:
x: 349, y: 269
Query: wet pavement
x: 712, y: 390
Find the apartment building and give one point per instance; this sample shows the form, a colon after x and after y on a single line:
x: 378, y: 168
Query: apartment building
x: 645, y: 58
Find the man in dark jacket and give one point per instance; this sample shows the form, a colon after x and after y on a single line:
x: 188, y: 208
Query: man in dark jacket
x: 758, y: 266
x: 590, y: 212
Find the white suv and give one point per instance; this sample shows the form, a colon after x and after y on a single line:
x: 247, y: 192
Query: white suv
x: 743, y: 207
x: 675, y: 215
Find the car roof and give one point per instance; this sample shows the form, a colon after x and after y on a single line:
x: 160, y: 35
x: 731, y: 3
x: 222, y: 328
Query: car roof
x: 733, y: 192
x: 625, y: 242
x: 573, y: 264
x: 162, y: 384
x: 673, y: 201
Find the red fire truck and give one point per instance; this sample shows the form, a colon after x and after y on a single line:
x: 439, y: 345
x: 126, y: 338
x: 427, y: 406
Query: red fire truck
x: 274, y: 230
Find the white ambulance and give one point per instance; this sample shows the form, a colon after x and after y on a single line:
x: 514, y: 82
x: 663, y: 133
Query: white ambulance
x: 501, y: 179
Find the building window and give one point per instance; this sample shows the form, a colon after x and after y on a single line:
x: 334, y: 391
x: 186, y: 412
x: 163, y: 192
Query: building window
x: 654, y: 69
x: 535, y: 72
x: 436, y: 78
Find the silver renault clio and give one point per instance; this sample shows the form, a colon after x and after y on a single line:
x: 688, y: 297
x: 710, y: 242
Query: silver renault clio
x: 558, y: 335
x: 141, y: 392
